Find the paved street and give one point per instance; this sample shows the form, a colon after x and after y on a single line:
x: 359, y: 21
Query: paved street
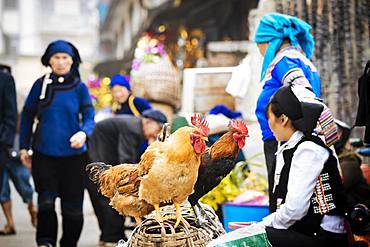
x: 90, y: 234
x: 25, y: 236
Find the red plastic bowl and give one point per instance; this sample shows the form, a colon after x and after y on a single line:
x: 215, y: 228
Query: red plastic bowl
x: 236, y: 225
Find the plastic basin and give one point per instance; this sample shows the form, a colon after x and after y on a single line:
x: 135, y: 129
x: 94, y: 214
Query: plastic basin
x: 236, y: 213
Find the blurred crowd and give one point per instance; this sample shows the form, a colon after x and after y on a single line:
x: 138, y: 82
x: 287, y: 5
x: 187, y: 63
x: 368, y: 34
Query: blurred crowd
x: 57, y: 134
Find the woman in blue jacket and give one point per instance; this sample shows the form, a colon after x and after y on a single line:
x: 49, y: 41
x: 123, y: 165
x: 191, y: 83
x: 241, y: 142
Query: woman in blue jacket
x: 60, y: 105
x: 286, y: 44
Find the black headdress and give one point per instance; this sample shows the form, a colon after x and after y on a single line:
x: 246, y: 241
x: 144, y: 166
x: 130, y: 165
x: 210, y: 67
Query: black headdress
x: 304, y: 115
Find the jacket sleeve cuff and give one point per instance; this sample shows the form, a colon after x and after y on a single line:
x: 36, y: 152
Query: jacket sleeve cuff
x: 267, y: 221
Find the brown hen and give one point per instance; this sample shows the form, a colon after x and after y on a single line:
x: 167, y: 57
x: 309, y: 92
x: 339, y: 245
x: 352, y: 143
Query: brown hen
x: 121, y: 185
x: 169, y: 169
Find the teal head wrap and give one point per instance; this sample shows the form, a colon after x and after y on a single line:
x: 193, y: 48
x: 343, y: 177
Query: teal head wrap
x: 274, y: 28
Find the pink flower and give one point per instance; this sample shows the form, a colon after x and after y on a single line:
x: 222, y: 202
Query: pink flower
x: 135, y: 64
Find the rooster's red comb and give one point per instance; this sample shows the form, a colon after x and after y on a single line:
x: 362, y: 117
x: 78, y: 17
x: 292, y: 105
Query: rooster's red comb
x: 198, y: 121
x: 238, y: 125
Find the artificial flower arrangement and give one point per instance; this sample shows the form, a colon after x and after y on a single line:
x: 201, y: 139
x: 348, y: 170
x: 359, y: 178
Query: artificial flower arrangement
x: 148, y: 50
x: 101, y: 96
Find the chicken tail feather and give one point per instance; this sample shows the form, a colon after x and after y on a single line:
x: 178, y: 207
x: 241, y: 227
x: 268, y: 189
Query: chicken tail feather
x: 96, y: 169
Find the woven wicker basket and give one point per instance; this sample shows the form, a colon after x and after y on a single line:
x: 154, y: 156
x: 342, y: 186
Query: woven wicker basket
x: 150, y: 233
x: 158, y: 81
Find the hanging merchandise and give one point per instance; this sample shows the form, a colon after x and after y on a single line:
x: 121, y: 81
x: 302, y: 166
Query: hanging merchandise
x: 359, y: 30
x: 325, y: 36
x: 240, y: 79
x: 279, y: 6
x: 305, y: 12
x: 341, y: 32
x: 154, y: 77
x: 341, y: 53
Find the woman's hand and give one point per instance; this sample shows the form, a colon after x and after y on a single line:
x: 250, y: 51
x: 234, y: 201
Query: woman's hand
x: 25, y: 158
x: 78, y: 140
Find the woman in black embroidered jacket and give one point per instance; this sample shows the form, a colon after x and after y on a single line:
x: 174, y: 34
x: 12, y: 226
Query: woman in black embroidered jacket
x: 65, y: 117
x: 308, y: 196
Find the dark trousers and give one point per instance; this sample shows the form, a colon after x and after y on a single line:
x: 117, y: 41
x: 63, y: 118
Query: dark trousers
x: 270, y: 148
x: 290, y: 238
x: 3, y: 161
x: 59, y: 177
x: 111, y: 223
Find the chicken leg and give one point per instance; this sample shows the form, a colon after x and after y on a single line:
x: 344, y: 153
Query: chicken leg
x: 179, y: 216
x: 158, y: 215
x: 138, y: 220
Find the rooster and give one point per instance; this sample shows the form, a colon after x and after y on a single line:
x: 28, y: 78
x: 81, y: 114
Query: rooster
x: 169, y: 169
x: 219, y: 159
x: 121, y: 183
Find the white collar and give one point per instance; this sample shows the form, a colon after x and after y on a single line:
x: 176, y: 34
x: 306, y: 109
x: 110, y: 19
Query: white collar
x: 292, y: 142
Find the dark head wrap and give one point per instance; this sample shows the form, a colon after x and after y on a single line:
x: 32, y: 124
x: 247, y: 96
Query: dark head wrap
x: 304, y: 115
x: 63, y: 47
x: 120, y: 80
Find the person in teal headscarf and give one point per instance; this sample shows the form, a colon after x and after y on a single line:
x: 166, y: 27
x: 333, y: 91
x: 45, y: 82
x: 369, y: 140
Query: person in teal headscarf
x: 274, y: 28
x: 287, y: 46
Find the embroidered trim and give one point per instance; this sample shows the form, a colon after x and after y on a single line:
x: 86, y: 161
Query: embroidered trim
x: 322, y: 203
x: 54, y: 89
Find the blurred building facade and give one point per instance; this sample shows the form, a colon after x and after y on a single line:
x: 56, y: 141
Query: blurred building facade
x: 195, y: 33
x: 203, y: 20
x: 121, y: 25
x: 28, y: 26
x: 340, y: 28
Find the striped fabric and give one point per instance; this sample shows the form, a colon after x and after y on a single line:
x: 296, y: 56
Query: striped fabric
x: 328, y: 126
